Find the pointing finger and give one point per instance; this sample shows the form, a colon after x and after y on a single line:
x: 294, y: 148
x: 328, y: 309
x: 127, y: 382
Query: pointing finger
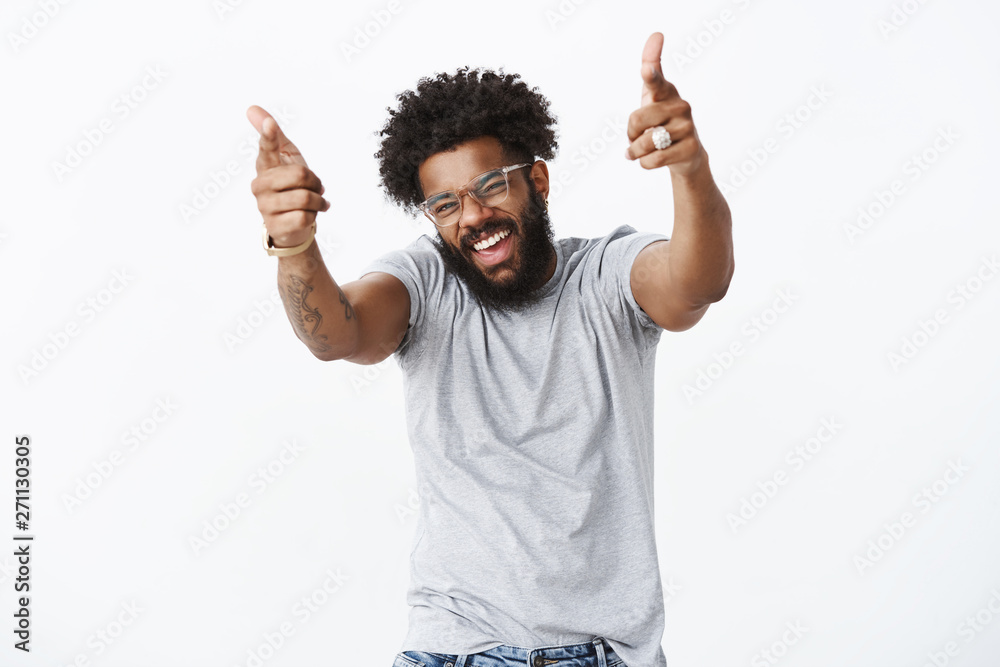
x: 267, y: 152
x: 275, y: 148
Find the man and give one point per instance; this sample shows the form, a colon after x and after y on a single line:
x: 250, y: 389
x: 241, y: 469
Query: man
x: 527, y: 362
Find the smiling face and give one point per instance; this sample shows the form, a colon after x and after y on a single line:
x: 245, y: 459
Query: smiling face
x: 506, y: 276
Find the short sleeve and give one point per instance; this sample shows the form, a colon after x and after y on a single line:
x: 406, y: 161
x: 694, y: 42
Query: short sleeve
x: 623, y: 245
x: 418, y: 267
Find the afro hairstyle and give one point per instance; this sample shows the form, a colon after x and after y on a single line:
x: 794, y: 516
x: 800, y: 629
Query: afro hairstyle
x: 449, y: 109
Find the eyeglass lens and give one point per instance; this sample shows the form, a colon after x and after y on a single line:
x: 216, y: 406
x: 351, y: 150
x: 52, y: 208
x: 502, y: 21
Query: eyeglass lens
x: 489, y: 190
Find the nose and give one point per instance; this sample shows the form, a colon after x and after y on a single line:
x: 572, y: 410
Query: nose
x: 473, y: 213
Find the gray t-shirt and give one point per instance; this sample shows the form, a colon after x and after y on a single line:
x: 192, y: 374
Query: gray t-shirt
x: 532, y: 437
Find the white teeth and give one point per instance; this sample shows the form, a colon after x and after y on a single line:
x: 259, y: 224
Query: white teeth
x: 486, y: 243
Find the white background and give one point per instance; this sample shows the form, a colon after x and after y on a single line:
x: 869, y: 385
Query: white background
x: 196, y: 279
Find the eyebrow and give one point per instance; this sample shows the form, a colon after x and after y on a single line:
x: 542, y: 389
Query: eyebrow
x: 481, y: 177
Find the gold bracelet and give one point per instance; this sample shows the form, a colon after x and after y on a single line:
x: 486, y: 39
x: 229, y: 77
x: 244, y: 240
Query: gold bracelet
x: 285, y: 252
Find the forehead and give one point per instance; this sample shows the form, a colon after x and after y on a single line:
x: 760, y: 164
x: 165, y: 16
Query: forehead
x: 450, y: 170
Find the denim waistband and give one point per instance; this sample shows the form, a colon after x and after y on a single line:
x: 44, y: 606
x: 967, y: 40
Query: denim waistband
x: 595, y: 653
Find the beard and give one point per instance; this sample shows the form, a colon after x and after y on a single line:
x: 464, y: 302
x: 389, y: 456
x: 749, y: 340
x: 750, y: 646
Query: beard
x: 523, y: 272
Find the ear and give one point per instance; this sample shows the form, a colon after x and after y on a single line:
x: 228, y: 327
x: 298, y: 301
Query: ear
x: 539, y: 174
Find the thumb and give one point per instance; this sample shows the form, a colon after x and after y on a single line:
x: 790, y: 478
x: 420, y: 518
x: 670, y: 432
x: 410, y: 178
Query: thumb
x: 654, y: 86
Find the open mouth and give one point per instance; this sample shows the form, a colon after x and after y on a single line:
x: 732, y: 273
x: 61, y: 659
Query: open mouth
x: 494, y: 249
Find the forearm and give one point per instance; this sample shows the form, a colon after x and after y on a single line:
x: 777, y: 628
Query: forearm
x: 321, y: 315
x: 701, y: 259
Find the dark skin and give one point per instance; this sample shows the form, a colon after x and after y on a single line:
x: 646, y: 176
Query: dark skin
x: 450, y: 170
x: 673, y: 281
x: 289, y: 196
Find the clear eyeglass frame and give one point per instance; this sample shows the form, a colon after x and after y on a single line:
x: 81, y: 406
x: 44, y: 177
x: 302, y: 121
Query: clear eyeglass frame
x: 425, y: 206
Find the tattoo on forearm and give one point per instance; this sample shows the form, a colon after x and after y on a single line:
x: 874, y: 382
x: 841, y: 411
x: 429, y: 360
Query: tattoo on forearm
x: 348, y: 308
x: 300, y: 313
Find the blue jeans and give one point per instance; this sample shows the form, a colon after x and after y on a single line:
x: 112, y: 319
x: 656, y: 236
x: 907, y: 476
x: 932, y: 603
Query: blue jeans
x: 596, y: 653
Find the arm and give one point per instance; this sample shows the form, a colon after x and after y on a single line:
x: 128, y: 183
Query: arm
x: 321, y: 315
x: 675, y: 281
x: 362, y: 322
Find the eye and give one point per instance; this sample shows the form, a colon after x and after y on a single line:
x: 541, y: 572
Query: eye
x: 492, y: 183
x: 442, y: 205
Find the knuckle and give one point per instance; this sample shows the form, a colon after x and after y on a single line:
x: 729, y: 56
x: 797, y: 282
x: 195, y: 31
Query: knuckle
x: 302, y: 198
x: 633, y: 124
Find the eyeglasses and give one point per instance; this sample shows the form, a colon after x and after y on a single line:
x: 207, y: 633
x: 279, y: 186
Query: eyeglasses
x: 488, y: 189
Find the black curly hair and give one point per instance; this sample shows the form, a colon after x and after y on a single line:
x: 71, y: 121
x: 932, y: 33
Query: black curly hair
x: 449, y: 109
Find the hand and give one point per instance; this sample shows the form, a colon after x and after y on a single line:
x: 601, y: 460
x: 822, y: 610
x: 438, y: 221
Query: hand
x: 289, y: 194
x: 661, y: 105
